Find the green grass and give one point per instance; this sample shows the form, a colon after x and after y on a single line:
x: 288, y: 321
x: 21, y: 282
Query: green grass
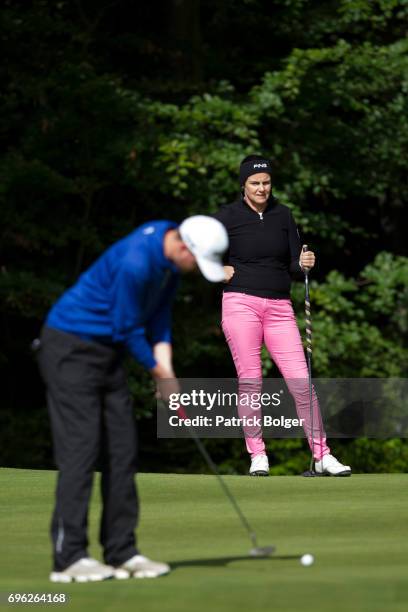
x: 357, y: 529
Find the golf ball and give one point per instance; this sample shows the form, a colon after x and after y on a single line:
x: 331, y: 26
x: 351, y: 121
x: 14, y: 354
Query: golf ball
x: 307, y: 560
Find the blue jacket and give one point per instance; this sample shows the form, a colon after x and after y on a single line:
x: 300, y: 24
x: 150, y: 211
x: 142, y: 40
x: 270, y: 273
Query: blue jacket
x: 125, y: 296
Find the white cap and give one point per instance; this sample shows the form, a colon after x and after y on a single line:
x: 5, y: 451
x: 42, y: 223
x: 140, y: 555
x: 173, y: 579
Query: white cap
x: 207, y: 239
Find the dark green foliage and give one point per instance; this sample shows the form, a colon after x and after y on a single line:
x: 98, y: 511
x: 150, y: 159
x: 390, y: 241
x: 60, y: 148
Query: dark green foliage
x: 118, y: 113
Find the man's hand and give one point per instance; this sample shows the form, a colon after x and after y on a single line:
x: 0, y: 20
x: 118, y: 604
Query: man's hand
x: 307, y: 260
x: 229, y: 273
x: 166, y: 382
x: 163, y: 354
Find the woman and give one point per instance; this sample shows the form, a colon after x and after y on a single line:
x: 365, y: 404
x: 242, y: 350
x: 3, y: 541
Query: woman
x: 264, y: 252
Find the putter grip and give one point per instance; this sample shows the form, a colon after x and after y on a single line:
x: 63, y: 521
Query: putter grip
x: 181, y: 413
x: 304, y: 249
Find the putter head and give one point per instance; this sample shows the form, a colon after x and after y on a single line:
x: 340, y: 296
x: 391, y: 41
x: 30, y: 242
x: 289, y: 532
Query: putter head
x: 262, y: 551
x: 312, y: 474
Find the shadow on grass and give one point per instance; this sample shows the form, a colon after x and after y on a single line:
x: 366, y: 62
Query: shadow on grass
x: 223, y: 561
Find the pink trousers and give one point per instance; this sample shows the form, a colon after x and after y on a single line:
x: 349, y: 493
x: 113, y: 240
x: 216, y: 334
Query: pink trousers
x: 248, y: 322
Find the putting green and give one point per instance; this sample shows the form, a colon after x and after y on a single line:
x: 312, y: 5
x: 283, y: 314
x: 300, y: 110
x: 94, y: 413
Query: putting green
x: 356, y: 528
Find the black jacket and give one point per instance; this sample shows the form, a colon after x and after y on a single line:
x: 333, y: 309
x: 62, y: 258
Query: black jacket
x: 264, y: 249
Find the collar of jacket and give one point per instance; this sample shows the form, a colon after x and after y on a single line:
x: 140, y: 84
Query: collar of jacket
x: 272, y: 201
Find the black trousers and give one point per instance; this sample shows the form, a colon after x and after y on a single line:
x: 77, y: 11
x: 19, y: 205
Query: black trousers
x: 92, y: 425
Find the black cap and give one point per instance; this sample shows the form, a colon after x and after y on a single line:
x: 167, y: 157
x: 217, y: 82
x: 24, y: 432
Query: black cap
x: 252, y: 165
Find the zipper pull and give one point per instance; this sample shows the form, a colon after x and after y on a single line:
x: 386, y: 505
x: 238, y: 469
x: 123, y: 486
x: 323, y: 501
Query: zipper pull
x: 261, y: 216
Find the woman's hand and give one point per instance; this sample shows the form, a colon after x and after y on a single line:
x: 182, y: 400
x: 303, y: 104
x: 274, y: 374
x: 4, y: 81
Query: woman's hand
x: 229, y: 273
x: 307, y: 260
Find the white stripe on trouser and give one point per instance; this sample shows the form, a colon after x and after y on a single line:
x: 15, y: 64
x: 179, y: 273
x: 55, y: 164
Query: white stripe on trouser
x: 60, y: 537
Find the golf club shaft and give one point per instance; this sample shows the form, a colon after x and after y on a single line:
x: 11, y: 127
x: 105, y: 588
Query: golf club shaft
x: 223, y: 484
x: 309, y: 352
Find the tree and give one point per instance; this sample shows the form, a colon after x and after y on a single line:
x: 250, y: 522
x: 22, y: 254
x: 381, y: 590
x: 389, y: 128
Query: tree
x: 109, y: 118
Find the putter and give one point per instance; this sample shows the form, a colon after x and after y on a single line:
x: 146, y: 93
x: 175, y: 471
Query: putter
x: 255, y: 551
x: 310, y: 473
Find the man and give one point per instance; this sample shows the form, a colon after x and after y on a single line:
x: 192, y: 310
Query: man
x: 123, y: 301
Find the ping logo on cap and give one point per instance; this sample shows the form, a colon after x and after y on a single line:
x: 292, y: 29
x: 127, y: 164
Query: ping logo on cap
x: 260, y: 165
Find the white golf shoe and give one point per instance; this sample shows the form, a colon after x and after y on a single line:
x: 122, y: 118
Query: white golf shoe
x: 259, y: 466
x: 329, y: 466
x: 141, y: 567
x: 84, y: 570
